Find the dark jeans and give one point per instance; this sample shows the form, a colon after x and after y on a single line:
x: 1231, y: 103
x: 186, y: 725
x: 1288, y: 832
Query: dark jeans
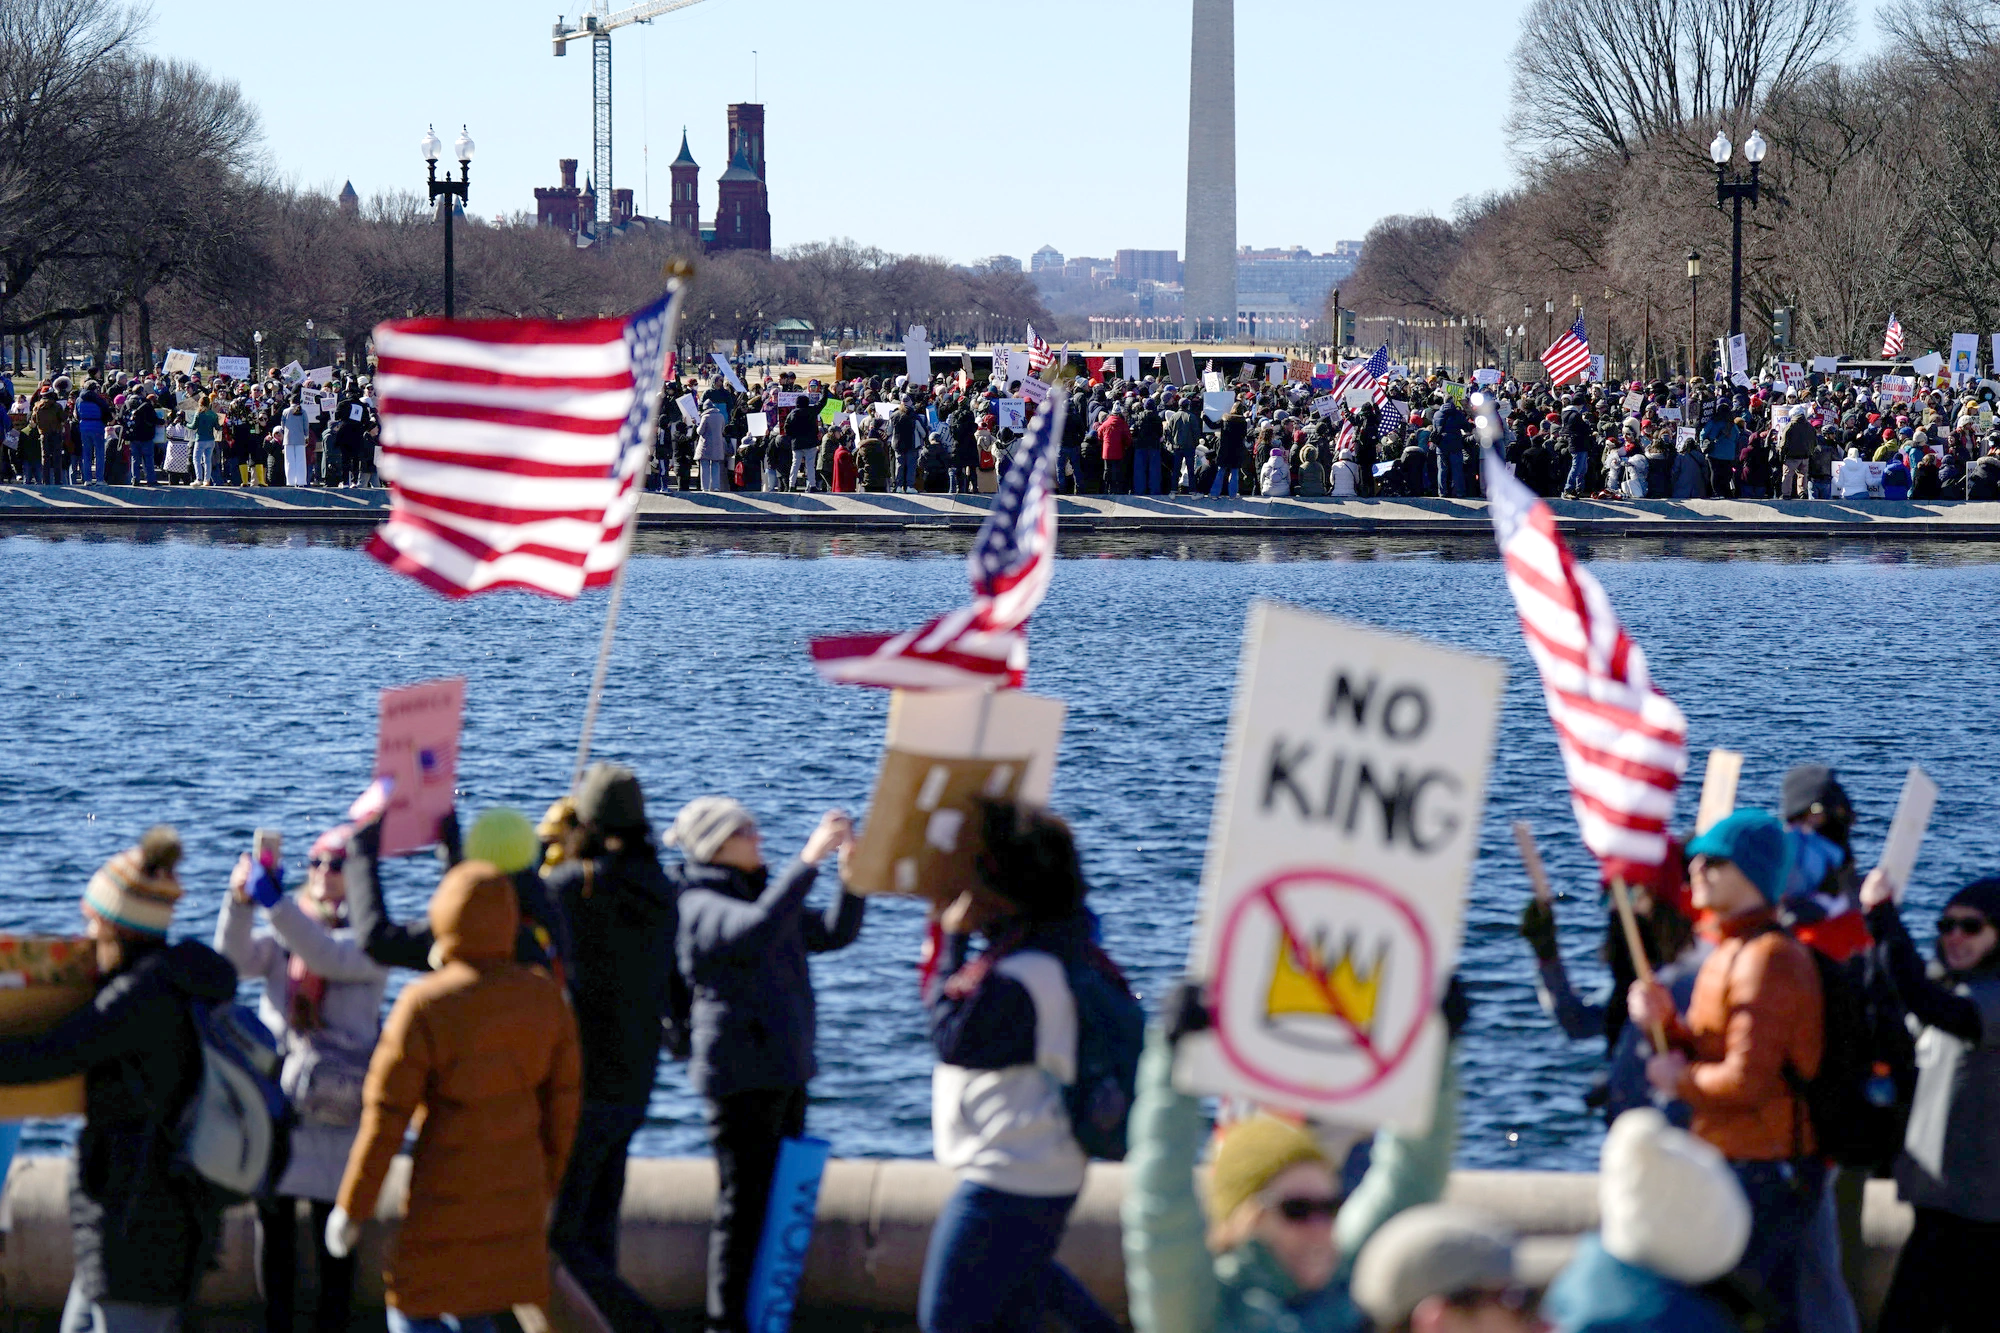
x: 746, y: 1129
x: 278, y: 1269
x: 1937, y: 1285
x: 142, y: 456
x: 1070, y: 468
x: 1451, y: 468
x: 584, y: 1234
x: 1783, y: 1197
x: 1146, y: 472
x: 991, y: 1265
x: 1117, y: 476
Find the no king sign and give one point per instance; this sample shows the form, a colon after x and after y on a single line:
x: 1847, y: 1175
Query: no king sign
x: 1333, y: 897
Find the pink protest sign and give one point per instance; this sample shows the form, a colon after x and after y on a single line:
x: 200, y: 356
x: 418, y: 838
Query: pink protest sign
x: 417, y: 746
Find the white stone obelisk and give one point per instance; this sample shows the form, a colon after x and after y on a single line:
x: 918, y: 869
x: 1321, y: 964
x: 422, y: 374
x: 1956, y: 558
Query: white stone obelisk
x: 1210, y: 278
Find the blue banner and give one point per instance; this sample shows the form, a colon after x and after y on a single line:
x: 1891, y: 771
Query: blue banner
x: 788, y: 1232
x: 10, y: 1138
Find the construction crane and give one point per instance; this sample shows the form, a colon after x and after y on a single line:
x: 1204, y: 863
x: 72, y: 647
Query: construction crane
x: 598, y: 25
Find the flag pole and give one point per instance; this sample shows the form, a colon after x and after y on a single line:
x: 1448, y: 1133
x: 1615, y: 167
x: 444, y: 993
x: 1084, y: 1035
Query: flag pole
x: 677, y: 273
x: 1636, y: 947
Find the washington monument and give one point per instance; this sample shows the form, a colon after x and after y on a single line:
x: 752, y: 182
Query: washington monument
x: 1210, y: 277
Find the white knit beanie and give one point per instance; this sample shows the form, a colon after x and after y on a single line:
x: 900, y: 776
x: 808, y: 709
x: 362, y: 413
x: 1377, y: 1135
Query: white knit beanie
x: 1669, y: 1202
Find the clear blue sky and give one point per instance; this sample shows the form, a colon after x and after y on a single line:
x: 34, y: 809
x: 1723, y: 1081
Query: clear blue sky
x: 907, y: 124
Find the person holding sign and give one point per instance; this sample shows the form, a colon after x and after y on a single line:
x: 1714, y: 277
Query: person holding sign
x: 743, y: 941
x: 1949, y: 1170
x: 1275, y: 1239
x: 1009, y: 1028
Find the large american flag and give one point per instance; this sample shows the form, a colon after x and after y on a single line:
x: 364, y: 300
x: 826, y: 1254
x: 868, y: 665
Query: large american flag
x: 983, y: 645
x: 1040, y: 355
x: 1623, y: 742
x: 1892, y: 341
x: 1372, y: 374
x: 515, y: 450
x: 1569, y: 355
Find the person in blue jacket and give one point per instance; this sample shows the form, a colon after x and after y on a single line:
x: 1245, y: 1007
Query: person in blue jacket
x: 743, y: 940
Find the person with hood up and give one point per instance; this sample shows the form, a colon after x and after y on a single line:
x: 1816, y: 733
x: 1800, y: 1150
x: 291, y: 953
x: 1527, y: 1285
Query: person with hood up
x: 1949, y: 1171
x: 487, y: 1050
x: 1272, y: 1247
x: 620, y: 917
x: 1275, y: 482
x: 743, y: 942
x: 143, y: 1232
x: 1753, y: 1031
x: 1671, y: 1219
x: 323, y: 1002
x: 1850, y: 479
x: 1004, y: 1025
x: 1344, y: 478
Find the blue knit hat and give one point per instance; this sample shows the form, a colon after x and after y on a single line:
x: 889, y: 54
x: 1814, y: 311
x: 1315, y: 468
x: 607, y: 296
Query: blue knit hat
x: 1754, y: 842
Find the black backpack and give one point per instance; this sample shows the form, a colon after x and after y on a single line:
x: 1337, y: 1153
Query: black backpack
x: 1861, y: 1028
x: 1110, y: 1035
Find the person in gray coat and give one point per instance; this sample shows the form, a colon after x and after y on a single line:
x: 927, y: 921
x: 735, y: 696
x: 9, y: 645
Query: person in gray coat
x: 713, y: 450
x: 743, y: 940
x: 323, y: 1002
x: 1949, y: 1171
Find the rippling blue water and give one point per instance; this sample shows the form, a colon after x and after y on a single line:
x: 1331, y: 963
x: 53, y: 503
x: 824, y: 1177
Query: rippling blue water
x: 227, y: 682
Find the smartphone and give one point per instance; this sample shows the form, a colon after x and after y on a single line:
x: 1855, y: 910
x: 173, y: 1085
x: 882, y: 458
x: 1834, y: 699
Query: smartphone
x: 265, y: 847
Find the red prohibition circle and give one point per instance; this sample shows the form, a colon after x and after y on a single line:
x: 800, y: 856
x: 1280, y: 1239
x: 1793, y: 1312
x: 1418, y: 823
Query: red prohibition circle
x: 1266, y: 895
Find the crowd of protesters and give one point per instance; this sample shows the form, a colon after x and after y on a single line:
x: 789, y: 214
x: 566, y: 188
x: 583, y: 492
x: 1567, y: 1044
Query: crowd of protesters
x: 1780, y: 1043
x: 189, y: 429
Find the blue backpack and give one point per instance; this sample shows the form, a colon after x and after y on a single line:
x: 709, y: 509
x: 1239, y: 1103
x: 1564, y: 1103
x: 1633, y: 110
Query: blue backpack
x: 1110, y: 1034
x: 235, y: 1131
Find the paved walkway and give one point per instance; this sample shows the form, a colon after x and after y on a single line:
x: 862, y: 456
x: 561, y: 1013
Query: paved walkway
x: 1727, y: 520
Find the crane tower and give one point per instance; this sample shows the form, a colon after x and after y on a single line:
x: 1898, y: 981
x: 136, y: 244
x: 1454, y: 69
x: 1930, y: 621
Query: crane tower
x: 598, y: 25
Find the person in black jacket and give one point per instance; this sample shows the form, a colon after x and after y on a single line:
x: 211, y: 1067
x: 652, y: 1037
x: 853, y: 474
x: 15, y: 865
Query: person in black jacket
x: 744, y: 938
x: 143, y: 1233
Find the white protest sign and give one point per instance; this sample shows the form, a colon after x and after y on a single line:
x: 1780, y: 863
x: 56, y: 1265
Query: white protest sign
x: 1898, y: 388
x: 789, y: 399
x: 1326, y: 405
x: 236, y: 367
x: 729, y: 374
x: 1927, y: 365
x: 1333, y: 895
x: 1906, y: 830
x: 1739, y: 355
x: 690, y: 409
x: 1794, y: 373
x: 1486, y: 375
x: 1683, y: 435
x: 1996, y: 352
x: 293, y: 373
x: 1634, y: 401
x: 883, y: 411
x: 1035, y: 389
x: 760, y: 425
x: 1010, y: 414
x: 917, y: 354
x: 320, y: 375
x: 1597, y: 367
x: 1825, y: 365
x: 1669, y: 414
x: 328, y: 402
x: 1131, y: 363
x: 1217, y: 405
x: 1211, y: 381
x: 1964, y: 355
x: 178, y: 362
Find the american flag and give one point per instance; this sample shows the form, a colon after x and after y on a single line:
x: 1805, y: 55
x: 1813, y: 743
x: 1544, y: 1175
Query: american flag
x: 1040, y: 355
x: 1569, y: 355
x: 1892, y: 341
x: 515, y: 449
x: 983, y: 645
x: 1623, y: 742
x: 1373, y: 374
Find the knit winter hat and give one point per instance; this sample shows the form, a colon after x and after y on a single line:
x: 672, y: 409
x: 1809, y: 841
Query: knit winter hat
x: 504, y: 837
x: 1982, y: 895
x: 1808, y: 785
x: 1668, y: 1202
x: 136, y: 890
x: 1249, y: 1155
x: 1754, y: 842
x: 705, y: 823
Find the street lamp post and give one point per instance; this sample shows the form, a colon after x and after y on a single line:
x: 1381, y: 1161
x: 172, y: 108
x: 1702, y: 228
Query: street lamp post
x: 1549, y: 310
x: 256, y: 352
x: 1735, y: 189
x: 1694, y: 313
x: 448, y: 189
x: 312, y: 343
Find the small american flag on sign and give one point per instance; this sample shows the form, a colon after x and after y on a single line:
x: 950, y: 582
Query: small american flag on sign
x: 1623, y: 742
x: 983, y: 645
x: 1569, y: 355
x: 515, y: 449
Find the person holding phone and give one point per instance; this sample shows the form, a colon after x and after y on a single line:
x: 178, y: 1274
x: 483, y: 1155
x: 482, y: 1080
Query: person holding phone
x: 322, y: 1001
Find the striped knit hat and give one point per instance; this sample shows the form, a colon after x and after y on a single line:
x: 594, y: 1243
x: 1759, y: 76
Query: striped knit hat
x: 136, y: 890
x: 705, y: 823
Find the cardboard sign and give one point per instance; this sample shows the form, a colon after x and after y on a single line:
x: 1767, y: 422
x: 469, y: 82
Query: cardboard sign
x: 177, y: 362
x: 1718, y: 789
x: 1299, y: 372
x: 1333, y: 895
x: 728, y: 372
x: 1906, y: 830
x: 236, y: 367
x: 1179, y: 367
x: 944, y: 751
x: 917, y: 355
x: 416, y: 744
x: 1010, y: 413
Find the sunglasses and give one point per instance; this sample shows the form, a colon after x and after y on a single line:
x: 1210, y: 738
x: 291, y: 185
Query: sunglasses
x: 1962, y: 925
x: 328, y: 862
x: 1302, y: 1210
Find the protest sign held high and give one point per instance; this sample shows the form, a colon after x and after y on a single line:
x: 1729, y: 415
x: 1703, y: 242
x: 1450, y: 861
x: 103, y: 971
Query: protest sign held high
x: 1345, y: 823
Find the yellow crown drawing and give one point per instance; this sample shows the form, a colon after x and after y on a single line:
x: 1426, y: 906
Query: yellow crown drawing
x: 1297, y: 992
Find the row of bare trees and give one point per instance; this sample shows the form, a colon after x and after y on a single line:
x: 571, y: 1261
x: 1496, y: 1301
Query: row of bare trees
x: 1881, y: 192
x: 135, y: 197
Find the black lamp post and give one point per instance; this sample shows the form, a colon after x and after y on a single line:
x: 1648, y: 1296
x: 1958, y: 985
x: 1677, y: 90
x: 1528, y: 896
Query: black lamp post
x: 1735, y: 189
x: 449, y: 189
